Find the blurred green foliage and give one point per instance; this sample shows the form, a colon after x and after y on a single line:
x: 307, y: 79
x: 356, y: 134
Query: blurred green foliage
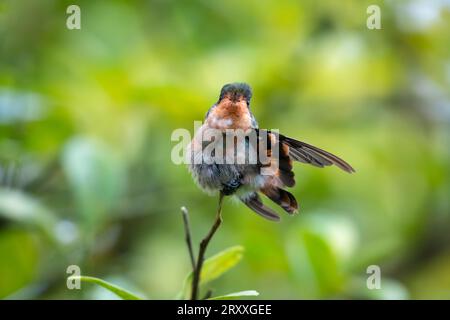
x: 85, y: 123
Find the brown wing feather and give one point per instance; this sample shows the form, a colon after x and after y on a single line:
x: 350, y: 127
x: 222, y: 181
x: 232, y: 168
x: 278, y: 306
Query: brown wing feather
x: 304, y: 152
x: 280, y: 167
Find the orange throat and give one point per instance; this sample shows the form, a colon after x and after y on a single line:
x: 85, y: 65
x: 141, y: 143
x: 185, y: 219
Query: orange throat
x: 230, y: 115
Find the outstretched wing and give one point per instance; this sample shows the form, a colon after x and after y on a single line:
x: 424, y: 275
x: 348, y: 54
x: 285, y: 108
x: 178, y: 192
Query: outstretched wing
x: 306, y: 153
x: 278, y: 170
x: 303, y: 152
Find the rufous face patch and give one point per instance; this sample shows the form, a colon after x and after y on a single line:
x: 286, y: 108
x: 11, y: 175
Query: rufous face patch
x: 229, y: 114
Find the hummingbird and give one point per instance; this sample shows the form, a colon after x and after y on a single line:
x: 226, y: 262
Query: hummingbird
x: 246, y: 180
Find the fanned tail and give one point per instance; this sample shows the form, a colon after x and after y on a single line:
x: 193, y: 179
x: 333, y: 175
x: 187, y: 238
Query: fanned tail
x: 253, y: 201
x: 283, y: 198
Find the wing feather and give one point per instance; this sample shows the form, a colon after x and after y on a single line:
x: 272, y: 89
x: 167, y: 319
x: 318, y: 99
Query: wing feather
x: 304, y: 152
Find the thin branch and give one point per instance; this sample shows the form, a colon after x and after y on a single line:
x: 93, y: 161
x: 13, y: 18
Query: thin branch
x: 187, y: 231
x: 203, y: 245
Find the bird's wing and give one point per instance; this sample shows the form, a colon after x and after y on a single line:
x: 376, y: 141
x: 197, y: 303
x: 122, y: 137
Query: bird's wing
x: 278, y: 167
x: 301, y: 152
x: 306, y: 153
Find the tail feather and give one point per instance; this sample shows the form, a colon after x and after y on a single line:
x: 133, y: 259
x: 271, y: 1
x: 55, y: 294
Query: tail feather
x: 254, y: 202
x: 283, y: 198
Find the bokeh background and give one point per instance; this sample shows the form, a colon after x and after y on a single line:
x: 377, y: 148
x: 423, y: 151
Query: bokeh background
x: 86, y: 118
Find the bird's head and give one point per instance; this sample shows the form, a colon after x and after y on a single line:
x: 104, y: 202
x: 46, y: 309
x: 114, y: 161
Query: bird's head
x: 236, y: 92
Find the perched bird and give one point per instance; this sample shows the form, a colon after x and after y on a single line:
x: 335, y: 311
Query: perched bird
x: 246, y: 179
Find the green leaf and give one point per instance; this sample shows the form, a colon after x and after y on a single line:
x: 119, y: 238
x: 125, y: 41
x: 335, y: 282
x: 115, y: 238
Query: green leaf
x: 96, y: 176
x: 235, y: 295
x: 19, y: 260
x: 314, y: 263
x: 23, y: 208
x: 214, y: 267
x: 220, y: 263
x: 120, y: 292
